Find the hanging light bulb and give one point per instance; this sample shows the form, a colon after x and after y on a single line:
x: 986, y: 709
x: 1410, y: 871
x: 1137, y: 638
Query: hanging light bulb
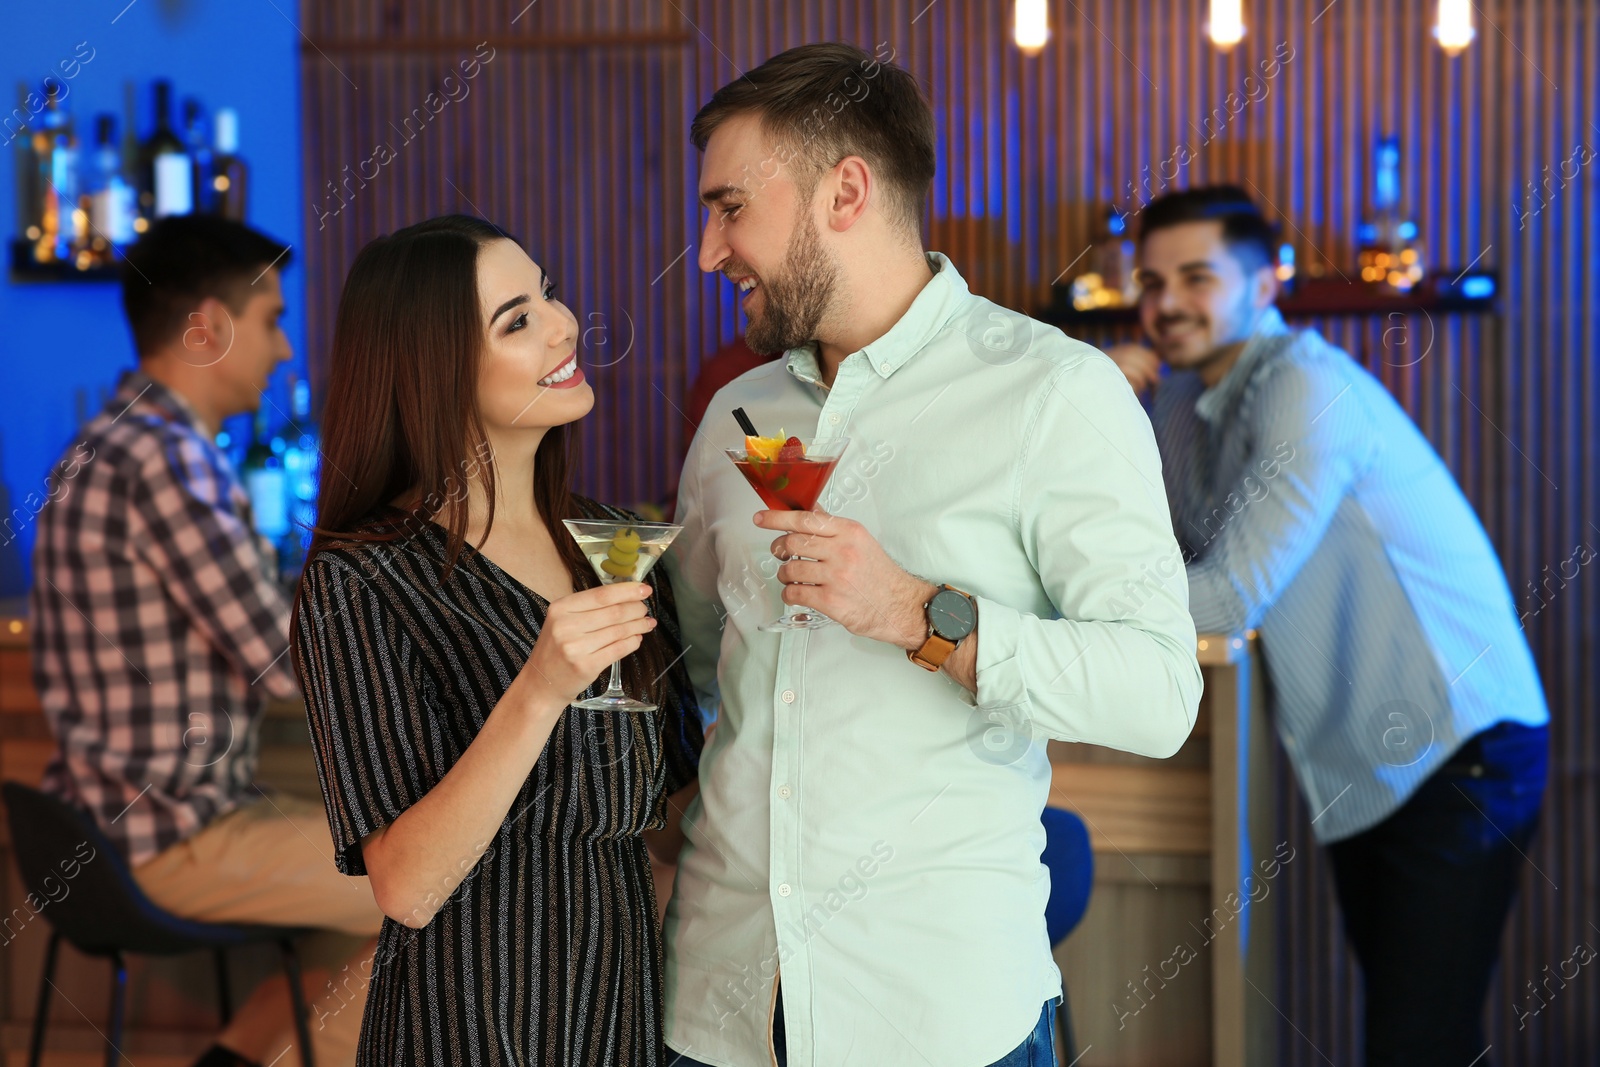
x: 1033, y: 26
x: 1454, y: 29
x: 1227, y: 23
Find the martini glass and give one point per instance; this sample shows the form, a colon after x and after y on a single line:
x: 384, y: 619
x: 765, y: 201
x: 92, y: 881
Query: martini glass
x: 791, y: 480
x: 620, y: 552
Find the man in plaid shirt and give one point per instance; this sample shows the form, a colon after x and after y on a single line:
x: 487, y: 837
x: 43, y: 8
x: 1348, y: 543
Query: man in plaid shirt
x: 159, y: 631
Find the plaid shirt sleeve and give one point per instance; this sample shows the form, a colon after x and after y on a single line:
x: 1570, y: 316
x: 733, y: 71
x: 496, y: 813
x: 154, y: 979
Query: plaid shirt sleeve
x: 212, y: 564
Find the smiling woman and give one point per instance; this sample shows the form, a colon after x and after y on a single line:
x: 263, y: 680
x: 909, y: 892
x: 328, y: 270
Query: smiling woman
x: 507, y: 841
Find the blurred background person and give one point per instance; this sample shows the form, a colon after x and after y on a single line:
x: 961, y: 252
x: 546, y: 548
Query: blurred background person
x: 159, y: 631
x: 1311, y: 509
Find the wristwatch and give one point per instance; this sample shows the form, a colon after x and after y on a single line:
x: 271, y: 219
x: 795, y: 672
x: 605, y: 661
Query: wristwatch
x: 952, y: 615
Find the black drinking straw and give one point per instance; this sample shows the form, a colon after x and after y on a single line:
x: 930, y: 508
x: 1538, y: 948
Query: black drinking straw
x: 745, y: 423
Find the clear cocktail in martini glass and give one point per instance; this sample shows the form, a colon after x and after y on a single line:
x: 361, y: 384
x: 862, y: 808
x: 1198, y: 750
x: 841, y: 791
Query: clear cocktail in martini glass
x: 620, y: 552
x: 789, y: 474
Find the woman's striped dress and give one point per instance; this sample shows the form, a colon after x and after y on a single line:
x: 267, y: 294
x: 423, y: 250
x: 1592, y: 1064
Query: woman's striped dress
x: 548, y: 952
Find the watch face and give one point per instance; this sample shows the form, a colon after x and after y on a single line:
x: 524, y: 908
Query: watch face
x: 951, y: 615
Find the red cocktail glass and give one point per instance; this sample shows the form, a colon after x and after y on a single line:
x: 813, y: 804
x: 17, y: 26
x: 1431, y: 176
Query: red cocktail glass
x: 791, y: 480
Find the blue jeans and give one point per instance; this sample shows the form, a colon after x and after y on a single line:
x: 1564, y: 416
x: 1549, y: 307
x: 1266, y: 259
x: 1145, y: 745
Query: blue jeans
x: 1038, y: 1049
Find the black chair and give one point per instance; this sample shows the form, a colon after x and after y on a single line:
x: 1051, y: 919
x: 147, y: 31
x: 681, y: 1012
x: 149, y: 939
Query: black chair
x: 91, y: 899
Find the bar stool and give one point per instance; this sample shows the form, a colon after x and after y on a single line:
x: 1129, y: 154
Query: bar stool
x: 1071, y: 863
x: 97, y: 905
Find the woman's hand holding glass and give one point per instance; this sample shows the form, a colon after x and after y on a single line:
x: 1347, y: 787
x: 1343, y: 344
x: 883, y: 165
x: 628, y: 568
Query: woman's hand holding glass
x: 584, y: 633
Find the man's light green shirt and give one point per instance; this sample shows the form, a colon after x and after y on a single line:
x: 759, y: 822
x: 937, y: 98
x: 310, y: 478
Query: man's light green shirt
x: 865, y: 826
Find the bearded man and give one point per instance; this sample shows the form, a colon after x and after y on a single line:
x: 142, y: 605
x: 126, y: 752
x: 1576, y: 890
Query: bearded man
x: 995, y: 553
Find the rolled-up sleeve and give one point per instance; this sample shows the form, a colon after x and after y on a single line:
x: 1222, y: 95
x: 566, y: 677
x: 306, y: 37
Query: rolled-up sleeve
x: 1116, y: 666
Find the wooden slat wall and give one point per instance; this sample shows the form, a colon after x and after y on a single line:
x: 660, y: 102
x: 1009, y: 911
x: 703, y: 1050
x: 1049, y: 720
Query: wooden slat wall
x: 574, y: 138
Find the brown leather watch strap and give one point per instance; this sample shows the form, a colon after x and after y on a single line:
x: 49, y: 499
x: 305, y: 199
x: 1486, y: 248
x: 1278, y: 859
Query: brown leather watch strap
x: 934, y: 651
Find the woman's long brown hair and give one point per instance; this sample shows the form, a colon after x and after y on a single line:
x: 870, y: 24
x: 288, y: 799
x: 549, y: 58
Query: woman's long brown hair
x: 401, y: 413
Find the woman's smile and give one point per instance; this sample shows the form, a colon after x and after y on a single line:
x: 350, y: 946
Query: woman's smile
x: 565, y: 376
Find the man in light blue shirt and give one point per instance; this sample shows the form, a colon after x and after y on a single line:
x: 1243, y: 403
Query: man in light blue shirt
x: 1311, y: 509
x: 996, y: 553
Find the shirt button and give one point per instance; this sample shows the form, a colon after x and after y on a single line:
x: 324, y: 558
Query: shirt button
x: 833, y: 419
x: 783, y: 890
x: 788, y: 696
x: 784, y: 791
x: 884, y: 367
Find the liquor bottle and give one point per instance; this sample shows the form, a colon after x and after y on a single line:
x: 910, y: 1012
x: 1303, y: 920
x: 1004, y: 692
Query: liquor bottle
x: 21, y: 142
x: 300, y: 466
x: 264, y: 482
x: 110, y: 196
x: 1114, y: 258
x: 230, y: 177
x: 133, y: 157
x: 1109, y: 281
x: 202, y: 196
x: 55, y: 153
x: 1285, y: 269
x: 1390, y: 253
x: 167, y: 178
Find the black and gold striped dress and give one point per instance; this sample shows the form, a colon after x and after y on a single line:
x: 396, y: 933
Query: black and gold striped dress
x: 548, y: 952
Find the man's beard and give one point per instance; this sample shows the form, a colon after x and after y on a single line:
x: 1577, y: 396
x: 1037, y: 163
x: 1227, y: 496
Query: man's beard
x: 1227, y: 331
x: 794, y: 302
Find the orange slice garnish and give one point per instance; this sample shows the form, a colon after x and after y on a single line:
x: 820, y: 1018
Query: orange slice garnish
x: 764, y: 448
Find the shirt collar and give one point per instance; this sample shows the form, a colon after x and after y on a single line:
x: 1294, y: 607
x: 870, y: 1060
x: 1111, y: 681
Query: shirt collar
x: 933, y: 307
x: 137, y: 388
x: 1216, y: 400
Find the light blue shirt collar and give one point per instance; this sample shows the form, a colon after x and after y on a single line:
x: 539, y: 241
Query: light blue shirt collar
x: 1212, y: 403
x: 933, y: 307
